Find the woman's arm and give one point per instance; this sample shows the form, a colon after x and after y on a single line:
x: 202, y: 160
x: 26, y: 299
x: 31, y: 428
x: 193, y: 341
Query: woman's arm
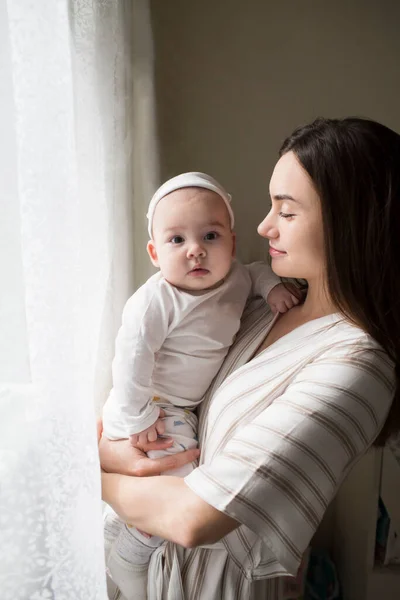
x: 167, y: 507
x: 163, y: 506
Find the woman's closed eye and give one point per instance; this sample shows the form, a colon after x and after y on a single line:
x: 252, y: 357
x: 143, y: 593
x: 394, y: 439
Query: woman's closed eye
x: 286, y: 215
x: 211, y: 235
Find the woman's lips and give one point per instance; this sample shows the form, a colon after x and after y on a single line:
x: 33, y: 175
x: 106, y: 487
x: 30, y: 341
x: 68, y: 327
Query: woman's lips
x: 274, y: 252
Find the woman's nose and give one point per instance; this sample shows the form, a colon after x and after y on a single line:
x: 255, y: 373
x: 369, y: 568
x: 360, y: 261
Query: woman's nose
x: 196, y: 251
x: 267, y: 228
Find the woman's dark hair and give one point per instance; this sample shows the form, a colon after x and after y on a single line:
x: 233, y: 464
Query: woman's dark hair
x: 355, y: 167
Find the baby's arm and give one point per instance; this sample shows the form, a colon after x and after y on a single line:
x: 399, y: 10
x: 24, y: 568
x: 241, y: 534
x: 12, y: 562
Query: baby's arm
x: 130, y: 409
x: 283, y: 297
x: 280, y: 297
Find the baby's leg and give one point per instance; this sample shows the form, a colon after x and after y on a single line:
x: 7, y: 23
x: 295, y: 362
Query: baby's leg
x: 112, y: 528
x: 128, y: 562
x: 130, y: 555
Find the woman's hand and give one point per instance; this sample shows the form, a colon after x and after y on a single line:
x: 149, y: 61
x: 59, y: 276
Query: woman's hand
x: 185, y: 519
x: 120, y: 457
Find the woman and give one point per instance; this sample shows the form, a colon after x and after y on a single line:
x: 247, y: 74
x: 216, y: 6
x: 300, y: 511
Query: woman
x: 301, y: 396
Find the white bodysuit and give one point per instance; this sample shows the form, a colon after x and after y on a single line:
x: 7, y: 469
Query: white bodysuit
x: 172, y: 343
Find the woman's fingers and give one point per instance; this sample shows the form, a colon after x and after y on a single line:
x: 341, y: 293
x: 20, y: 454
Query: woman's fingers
x: 121, y: 457
x: 147, y: 467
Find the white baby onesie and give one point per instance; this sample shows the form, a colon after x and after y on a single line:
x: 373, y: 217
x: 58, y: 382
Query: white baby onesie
x: 172, y: 343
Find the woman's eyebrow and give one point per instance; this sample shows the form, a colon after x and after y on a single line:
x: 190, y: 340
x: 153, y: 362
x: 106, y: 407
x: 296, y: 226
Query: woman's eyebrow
x: 285, y: 197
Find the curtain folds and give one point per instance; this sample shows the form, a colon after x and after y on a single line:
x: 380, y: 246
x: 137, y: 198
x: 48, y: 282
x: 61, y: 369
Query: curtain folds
x: 78, y: 162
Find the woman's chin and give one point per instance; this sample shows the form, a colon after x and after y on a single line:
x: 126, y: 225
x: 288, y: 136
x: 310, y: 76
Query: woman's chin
x: 280, y: 270
x: 283, y: 269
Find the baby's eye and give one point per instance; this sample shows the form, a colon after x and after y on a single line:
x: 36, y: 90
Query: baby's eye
x: 286, y: 215
x: 177, y: 239
x: 211, y: 235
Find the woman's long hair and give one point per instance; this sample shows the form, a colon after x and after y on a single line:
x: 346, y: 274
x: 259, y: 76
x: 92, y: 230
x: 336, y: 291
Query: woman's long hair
x: 355, y: 167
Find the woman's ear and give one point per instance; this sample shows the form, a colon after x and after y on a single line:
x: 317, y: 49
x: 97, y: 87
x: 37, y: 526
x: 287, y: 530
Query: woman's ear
x: 152, y: 252
x: 233, y: 244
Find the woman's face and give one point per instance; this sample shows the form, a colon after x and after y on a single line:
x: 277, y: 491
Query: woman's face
x: 294, y: 224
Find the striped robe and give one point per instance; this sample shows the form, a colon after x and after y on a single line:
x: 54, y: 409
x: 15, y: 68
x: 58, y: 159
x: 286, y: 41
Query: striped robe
x: 278, y: 433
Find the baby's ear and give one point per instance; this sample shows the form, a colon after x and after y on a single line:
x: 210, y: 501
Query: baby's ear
x: 152, y: 252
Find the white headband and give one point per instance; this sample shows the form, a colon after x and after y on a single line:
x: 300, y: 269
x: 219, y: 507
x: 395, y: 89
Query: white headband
x: 185, y: 180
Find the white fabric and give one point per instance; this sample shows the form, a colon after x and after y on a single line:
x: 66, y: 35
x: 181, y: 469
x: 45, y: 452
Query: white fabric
x: 185, y: 180
x: 66, y: 203
x: 278, y: 436
x: 172, y: 343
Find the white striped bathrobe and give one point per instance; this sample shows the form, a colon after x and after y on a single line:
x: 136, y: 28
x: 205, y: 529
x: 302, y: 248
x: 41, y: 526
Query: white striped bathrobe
x: 278, y: 434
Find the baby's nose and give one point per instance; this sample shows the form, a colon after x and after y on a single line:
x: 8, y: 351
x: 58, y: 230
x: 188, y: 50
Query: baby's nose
x: 196, y: 251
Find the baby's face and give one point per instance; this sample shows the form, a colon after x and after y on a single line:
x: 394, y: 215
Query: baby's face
x: 192, y: 243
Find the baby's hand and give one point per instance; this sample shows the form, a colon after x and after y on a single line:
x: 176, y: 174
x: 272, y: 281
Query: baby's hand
x: 283, y: 297
x: 150, y: 434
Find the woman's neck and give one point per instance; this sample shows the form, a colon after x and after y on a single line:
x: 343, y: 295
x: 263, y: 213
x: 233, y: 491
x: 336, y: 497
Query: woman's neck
x: 317, y: 303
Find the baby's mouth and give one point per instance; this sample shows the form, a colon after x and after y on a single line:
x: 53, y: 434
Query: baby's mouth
x: 198, y: 270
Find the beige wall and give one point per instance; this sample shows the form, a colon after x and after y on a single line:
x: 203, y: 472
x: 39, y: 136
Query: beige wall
x: 233, y: 78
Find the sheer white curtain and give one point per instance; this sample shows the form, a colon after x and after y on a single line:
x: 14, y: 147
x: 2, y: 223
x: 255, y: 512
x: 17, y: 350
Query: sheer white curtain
x: 77, y: 166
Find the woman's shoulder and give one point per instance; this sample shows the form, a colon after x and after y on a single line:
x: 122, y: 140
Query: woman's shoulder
x: 350, y: 348
x: 333, y: 344
x: 349, y: 336
x: 335, y: 330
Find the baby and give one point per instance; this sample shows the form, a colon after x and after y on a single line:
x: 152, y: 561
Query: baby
x: 176, y: 331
